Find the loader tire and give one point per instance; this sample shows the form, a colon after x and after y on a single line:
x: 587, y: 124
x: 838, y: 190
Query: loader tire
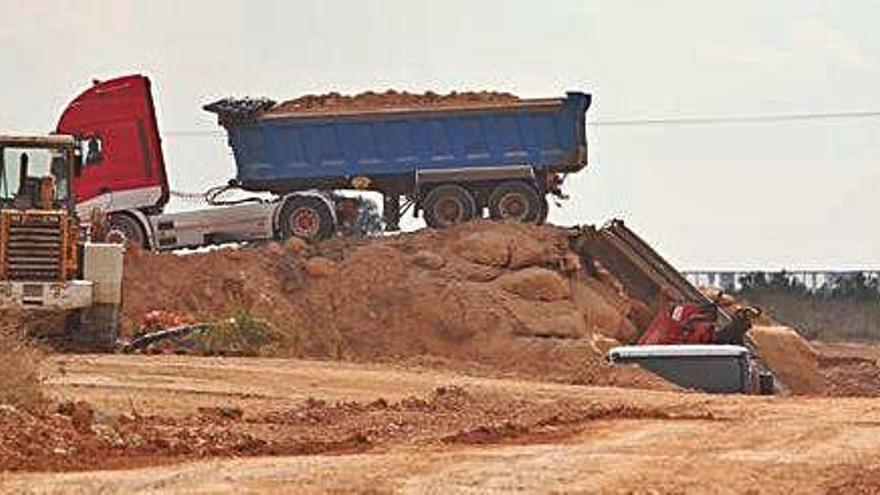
x: 447, y: 205
x: 306, y: 217
x: 517, y: 200
x: 93, y: 329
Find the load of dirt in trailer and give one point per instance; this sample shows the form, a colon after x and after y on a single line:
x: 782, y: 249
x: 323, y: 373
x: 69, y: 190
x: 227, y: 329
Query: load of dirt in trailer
x: 497, y: 297
x: 390, y: 99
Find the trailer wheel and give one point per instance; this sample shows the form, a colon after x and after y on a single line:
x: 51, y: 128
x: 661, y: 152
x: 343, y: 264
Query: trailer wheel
x: 124, y: 229
x: 447, y: 205
x: 516, y: 200
x: 306, y: 217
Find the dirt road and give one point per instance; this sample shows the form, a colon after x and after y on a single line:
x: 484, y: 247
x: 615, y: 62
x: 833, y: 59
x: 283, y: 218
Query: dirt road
x: 642, y: 441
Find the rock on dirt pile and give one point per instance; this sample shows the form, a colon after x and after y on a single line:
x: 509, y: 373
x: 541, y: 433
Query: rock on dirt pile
x: 508, y: 296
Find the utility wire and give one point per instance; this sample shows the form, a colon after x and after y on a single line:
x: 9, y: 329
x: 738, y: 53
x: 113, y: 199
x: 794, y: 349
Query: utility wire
x: 740, y: 119
x: 660, y: 121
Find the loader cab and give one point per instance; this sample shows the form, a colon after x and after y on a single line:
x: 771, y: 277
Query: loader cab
x: 37, y: 173
x: 38, y: 229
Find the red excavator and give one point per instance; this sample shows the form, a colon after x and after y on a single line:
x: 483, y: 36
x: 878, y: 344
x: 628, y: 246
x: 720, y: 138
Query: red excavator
x: 697, y: 323
x: 683, y: 331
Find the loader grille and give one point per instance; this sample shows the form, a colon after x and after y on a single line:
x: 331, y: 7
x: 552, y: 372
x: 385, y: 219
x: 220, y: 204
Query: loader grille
x: 35, y: 247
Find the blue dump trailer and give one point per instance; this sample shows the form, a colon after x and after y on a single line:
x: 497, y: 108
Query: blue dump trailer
x: 449, y: 163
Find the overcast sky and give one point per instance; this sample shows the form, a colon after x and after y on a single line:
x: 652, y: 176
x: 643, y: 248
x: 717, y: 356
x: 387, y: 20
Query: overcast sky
x: 759, y: 195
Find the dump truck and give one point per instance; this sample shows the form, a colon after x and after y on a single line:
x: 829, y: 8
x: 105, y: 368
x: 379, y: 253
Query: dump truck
x: 449, y: 164
x: 44, y: 265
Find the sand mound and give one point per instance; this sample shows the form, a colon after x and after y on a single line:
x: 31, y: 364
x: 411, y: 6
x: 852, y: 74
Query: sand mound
x: 497, y: 297
x: 485, y: 292
x: 790, y: 357
x: 794, y: 361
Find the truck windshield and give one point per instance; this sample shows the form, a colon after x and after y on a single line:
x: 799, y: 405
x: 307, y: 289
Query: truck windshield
x: 31, y: 165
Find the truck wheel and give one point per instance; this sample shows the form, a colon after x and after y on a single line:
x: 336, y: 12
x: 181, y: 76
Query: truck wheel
x: 124, y: 229
x: 448, y: 205
x: 516, y: 200
x: 306, y: 217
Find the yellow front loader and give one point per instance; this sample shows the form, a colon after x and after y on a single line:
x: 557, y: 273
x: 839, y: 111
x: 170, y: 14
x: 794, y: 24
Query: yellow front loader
x: 45, y: 267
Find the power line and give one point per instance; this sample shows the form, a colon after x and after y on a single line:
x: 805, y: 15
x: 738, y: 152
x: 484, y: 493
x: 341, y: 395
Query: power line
x: 660, y: 121
x: 738, y: 119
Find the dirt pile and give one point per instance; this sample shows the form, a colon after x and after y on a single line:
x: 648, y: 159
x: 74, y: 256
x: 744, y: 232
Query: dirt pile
x: 809, y: 368
x: 390, y: 99
x: 851, y: 370
x: 852, y: 379
x: 485, y: 296
x: 507, y: 296
x: 76, y: 438
x: 860, y: 481
x: 791, y: 358
x: 209, y: 285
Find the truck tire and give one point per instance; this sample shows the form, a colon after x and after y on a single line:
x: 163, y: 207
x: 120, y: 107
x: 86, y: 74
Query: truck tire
x: 517, y: 200
x: 447, y: 205
x: 125, y: 229
x: 306, y: 217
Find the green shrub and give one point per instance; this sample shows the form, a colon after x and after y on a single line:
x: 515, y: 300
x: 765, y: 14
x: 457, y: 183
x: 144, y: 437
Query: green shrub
x: 242, y: 334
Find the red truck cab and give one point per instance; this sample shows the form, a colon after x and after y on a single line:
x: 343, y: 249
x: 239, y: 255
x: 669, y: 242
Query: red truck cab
x: 124, y: 177
x: 123, y: 166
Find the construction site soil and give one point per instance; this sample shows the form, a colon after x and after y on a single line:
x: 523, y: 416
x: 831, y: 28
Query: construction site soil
x: 77, y: 438
x: 189, y: 424
x: 467, y: 358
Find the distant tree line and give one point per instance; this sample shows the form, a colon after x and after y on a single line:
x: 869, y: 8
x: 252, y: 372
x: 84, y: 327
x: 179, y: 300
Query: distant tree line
x: 855, y: 286
x: 846, y: 307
